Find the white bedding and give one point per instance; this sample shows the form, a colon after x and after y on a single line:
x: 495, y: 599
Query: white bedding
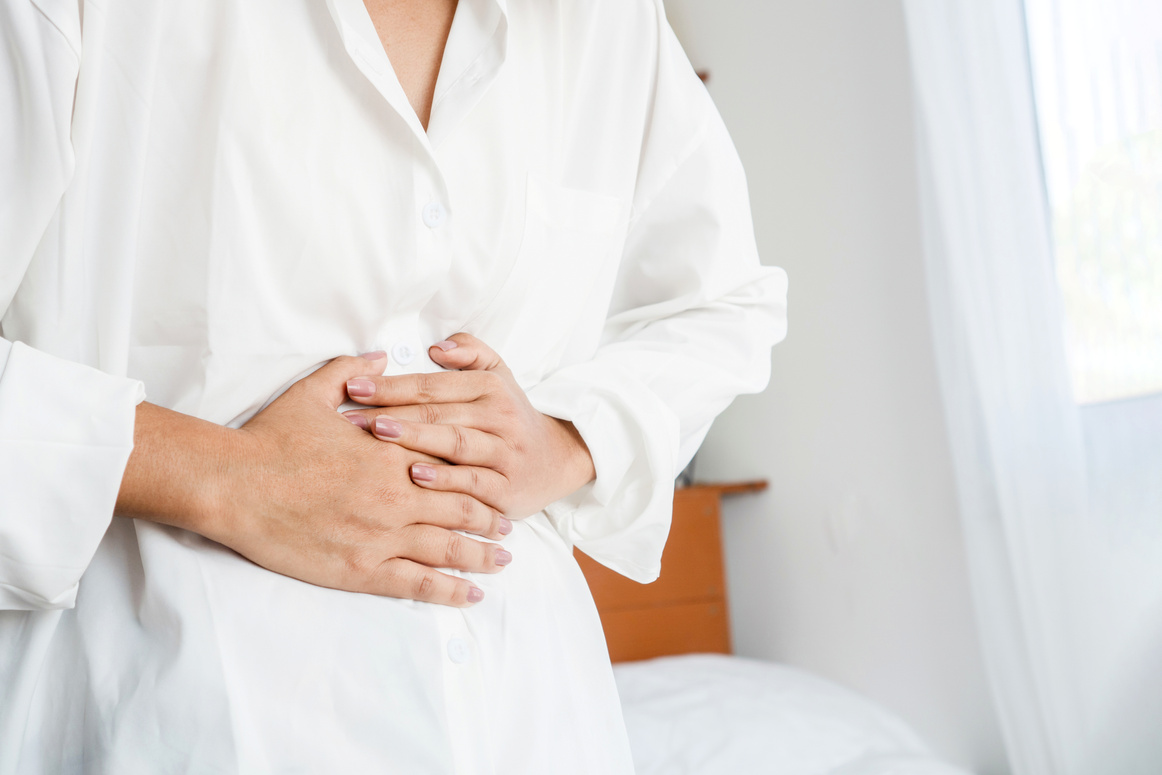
x: 709, y: 714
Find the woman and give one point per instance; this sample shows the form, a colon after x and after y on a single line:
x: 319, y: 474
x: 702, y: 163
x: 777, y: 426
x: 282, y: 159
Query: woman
x: 210, y: 201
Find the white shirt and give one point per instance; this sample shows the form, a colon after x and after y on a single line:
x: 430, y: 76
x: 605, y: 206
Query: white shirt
x: 207, y: 201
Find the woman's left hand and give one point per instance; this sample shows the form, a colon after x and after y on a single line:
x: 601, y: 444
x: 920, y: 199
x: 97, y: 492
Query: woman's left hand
x: 506, y: 453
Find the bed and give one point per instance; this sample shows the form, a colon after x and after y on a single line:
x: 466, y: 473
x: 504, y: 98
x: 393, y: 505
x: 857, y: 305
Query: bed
x: 692, y: 708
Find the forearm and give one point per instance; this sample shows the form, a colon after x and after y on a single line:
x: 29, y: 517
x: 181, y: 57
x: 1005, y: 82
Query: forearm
x: 177, y: 471
x: 301, y: 492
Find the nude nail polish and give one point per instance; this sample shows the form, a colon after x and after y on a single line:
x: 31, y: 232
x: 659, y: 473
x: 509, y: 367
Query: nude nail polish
x: 361, y: 388
x: 423, y: 473
x: 503, y: 557
x: 374, y: 355
x: 446, y: 345
x: 475, y: 595
x: 357, y: 420
x: 385, y: 426
x: 505, y: 526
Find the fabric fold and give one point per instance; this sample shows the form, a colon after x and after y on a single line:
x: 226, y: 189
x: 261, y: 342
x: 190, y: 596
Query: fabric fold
x: 57, y: 506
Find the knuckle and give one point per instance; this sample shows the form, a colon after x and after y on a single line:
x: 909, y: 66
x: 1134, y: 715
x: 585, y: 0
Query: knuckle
x: 424, y: 586
x: 429, y: 414
x: 388, y: 492
x: 362, y: 567
x: 425, y: 387
x: 460, y: 442
x: 466, y: 512
x: 483, y: 487
x: 453, y: 551
x: 476, y: 482
x: 354, y: 567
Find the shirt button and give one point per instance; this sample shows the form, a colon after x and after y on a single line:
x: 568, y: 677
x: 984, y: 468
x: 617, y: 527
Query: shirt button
x: 403, y: 353
x: 434, y: 215
x: 459, y: 651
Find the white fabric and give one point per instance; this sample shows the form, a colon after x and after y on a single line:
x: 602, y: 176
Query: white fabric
x: 709, y: 714
x: 211, y: 199
x: 1060, y: 505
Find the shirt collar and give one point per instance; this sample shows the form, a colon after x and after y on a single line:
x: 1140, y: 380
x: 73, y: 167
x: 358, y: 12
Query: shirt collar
x: 476, y: 48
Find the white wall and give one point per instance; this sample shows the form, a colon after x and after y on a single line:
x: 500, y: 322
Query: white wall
x: 852, y: 564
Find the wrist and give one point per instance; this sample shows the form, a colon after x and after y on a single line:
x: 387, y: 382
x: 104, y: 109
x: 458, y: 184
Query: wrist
x: 218, y: 501
x: 580, y: 461
x: 181, y: 472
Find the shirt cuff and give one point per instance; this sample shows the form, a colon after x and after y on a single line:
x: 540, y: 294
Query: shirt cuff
x: 622, y: 518
x: 66, y: 431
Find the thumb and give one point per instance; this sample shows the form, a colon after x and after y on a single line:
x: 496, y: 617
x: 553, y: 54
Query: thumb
x: 466, y: 352
x: 329, y: 382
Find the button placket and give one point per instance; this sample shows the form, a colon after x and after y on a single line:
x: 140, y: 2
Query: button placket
x: 434, y: 214
x: 403, y: 353
x: 459, y: 651
x: 464, y: 698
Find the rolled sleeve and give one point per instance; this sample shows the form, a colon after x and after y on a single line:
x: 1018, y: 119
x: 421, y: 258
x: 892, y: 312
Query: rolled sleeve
x: 60, y: 471
x: 623, y: 517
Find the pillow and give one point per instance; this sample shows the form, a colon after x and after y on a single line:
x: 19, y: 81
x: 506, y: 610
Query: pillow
x: 711, y: 714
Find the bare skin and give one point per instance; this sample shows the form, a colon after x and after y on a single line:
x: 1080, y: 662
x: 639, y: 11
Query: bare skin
x: 505, y: 453
x: 413, y: 34
x: 302, y: 492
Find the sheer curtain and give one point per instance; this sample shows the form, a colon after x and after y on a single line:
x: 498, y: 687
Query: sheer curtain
x: 1061, y: 503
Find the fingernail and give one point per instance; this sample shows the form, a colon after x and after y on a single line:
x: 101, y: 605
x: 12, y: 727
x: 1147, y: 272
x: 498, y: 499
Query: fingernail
x: 385, y: 426
x: 503, y: 557
x: 505, y: 526
x: 446, y: 345
x: 357, y: 419
x: 475, y: 594
x: 374, y: 355
x: 360, y: 387
x: 423, y: 473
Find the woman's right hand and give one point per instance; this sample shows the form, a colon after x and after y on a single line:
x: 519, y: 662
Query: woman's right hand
x: 301, y: 491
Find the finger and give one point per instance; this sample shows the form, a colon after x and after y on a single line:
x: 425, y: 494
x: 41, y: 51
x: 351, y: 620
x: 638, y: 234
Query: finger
x: 483, y: 484
x: 409, y: 580
x: 454, y: 443
x: 459, y: 511
x: 445, y: 387
x: 329, y: 381
x: 475, y: 415
x: 440, y: 548
x: 464, y: 351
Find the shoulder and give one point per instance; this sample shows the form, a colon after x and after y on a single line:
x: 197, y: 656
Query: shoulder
x: 618, y: 44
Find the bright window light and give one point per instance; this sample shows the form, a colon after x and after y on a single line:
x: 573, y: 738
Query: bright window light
x: 1097, y: 77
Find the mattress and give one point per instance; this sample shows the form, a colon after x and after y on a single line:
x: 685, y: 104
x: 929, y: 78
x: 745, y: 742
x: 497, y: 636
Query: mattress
x: 710, y: 714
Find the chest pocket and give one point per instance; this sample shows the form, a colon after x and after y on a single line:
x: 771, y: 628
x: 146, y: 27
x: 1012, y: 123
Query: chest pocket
x: 558, y: 290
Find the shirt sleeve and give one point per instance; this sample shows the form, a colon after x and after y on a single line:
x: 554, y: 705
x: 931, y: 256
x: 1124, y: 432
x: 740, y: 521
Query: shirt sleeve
x: 693, y: 318
x: 66, y: 429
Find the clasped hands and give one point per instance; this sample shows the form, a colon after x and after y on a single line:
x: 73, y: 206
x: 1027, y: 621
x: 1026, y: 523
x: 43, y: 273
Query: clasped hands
x: 376, y: 511
x: 504, y: 453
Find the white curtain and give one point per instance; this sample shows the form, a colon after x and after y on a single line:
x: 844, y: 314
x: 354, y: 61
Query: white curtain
x: 1061, y: 504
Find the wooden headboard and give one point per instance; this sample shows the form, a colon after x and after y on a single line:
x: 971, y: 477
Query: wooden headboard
x: 685, y: 610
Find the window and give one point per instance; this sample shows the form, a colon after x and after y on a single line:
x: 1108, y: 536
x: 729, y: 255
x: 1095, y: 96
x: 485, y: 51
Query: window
x: 1097, y: 79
